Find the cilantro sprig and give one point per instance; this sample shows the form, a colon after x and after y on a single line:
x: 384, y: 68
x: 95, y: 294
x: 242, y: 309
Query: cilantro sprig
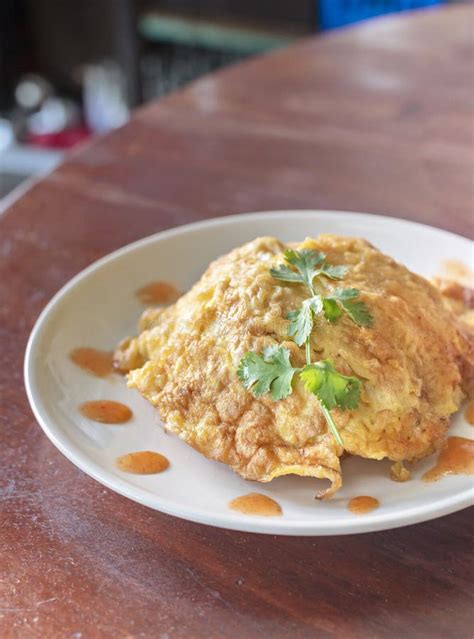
x: 309, y: 264
x: 272, y: 371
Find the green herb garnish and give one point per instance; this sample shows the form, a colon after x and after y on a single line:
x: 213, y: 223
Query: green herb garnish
x: 302, y: 320
x: 344, y: 299
x: 309, y: 264
x: 333, y: 389
x: 272, y: 371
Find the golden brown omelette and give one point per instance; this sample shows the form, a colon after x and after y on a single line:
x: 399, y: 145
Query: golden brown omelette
x: 411, y: 362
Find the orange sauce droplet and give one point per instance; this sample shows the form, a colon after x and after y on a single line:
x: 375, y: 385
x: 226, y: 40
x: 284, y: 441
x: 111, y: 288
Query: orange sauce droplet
x: 256, y: 504
x: 158, y: 293
x: 456, y: 458
x: 144, y: 462
x: 363, y: 504
x: 106, y: 411
x: 469, y: 413
x: 93, y: 361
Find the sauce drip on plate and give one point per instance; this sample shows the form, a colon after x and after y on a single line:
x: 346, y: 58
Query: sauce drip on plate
x: 158, y: 293
x: 456, y: 458
x: 145, y: 462
x: 93, y: 361
x: 106, y: 411
x: 362, y: 504
x: 256, y: 504
x: 469, y: 413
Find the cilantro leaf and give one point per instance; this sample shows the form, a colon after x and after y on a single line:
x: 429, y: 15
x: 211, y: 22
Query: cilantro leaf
x: 306, y: 262
x: 357, y: 310
x: 309, y: 264
x: 301, y: 323
x: 333, y: 272
x: 286, y: 274
x: 270, y: 372
x: 331, y: 388
x: 332, y: 310
x: 359, y: 313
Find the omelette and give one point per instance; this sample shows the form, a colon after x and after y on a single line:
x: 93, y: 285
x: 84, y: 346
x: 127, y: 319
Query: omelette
x: 414, y: 363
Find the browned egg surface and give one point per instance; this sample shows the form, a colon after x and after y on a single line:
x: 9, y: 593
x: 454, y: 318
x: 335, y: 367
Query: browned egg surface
x: 456, y: 458
x: 363, y: 504
x: 256, y: 504
x: 93, y: 361
x: 145, y: 462
x: 158, y: 293
x: 106, y: 411
x: 399, y: 473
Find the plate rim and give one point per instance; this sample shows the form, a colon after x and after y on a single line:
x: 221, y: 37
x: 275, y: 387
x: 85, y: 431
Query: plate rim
x: 318, y: 527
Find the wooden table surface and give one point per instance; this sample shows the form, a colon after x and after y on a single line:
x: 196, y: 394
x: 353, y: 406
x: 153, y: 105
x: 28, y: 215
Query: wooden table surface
x: 377, y: 118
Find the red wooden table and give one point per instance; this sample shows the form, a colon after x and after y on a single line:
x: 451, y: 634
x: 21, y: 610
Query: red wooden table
x: 377, y: 118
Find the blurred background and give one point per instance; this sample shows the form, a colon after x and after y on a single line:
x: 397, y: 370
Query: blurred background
x: 70, y: 70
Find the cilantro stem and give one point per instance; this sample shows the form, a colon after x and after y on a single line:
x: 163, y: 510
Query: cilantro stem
x: 331, y: 424
x: 326, y: 412
x: 308, y: 343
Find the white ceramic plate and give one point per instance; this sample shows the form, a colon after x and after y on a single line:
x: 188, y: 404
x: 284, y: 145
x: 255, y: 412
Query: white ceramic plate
x: 98, y: 308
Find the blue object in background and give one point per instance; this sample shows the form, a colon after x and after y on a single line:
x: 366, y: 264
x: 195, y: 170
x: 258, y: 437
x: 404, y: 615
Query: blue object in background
x: 336, y: 13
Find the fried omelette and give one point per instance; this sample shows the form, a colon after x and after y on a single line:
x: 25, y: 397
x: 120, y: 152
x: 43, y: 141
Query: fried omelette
x: 411, y: 362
